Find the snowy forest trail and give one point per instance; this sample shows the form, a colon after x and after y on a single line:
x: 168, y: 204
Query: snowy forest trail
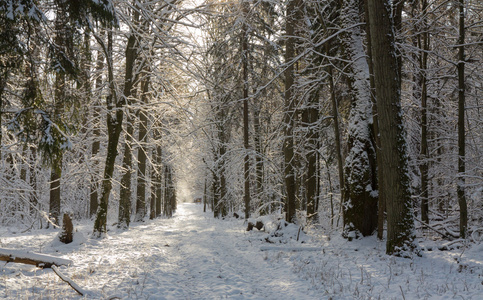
x: 195, y: 256
x: 189, y: 256
x: 217, y: 261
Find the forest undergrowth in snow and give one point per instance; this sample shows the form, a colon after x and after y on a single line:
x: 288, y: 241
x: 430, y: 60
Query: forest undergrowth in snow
x: 194, y: 256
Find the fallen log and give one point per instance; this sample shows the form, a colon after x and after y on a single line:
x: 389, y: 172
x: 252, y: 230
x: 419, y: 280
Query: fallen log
x: 30, y: 258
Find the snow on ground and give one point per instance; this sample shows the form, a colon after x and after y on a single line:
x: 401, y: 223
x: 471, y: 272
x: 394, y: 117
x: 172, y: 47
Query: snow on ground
x: 193, y: 256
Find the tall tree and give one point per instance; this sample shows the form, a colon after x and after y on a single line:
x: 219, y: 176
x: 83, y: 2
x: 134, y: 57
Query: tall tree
x: 64, y: 48
x: 424, y: 40
x: 396, y: 186
x: 360, y: 207
x: 461, y: 123
x: 96, y: 144
x: 142, y: 139
x: 130, y: 79
x: 245, y: 63
x: 292, y: 16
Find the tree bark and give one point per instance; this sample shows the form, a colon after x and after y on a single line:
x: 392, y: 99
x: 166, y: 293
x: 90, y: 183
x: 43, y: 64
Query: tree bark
x: 114, y: 129
x: 59, y: 95
x: 338, y: 146
x: 54, y: 199
x: 244, y: 44
x: 158, y: 177
x: 142, y: 139
x: 360, y: 208
x: 30, y: 258
x: 312, y: 115
x: 124, y: 215
x: 381, y: 205
x: 94, y: 186
x: 423, y: 168
x: 461, y: 123
x: 292, y: 12
x: 400, y: 222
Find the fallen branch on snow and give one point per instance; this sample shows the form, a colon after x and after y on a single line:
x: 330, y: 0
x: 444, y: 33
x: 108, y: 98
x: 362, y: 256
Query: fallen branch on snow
x: 447, y: 235
x: 30, y: 258
x: 71, y: 282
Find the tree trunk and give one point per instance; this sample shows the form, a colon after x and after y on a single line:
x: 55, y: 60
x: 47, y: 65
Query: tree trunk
x: 246, y: 145
x: 158, y: 177
x: 423, y: 168
x: 54, y: 207
x: 142, y: 139
x: 381, y: 209
x: 58, y: 105
x: 312, y: 116
x: 360, y: 208
x: 205, y: 196
x: 338, y: 146
x: 400, y: 223
x: 94, y: 186
x: 114, y: 128
x: 289, y: 110
x: 125, y: 193
x: 259, y: 152
x: 461, y: 123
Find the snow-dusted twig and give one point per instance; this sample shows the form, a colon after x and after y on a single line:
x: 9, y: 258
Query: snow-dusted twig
x: 445, y: 235
x: 71, y: 282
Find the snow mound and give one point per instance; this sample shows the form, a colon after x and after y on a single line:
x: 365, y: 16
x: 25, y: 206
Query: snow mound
x: 287, y: 232
x: 77, y: 240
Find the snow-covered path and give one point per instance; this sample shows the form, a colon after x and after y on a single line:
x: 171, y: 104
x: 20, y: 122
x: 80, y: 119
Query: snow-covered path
x: 190, y: 256
x: 215, y: 259
x: 194, y: 256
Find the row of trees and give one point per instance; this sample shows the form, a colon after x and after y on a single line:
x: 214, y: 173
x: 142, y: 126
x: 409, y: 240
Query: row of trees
x: 365, y: 109
x: 74, y: 73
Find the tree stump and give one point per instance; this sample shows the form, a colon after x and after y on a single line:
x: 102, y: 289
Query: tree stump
x: 258, y: 225
x: 66, y: 236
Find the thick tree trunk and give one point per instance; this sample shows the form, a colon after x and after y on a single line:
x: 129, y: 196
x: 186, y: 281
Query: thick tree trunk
x: 381, y: 209
x: 400, y: 233
x: 338, y: 146
x: 360, y: 209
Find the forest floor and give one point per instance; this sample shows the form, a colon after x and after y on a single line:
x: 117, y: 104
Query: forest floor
x: 193, y: 256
